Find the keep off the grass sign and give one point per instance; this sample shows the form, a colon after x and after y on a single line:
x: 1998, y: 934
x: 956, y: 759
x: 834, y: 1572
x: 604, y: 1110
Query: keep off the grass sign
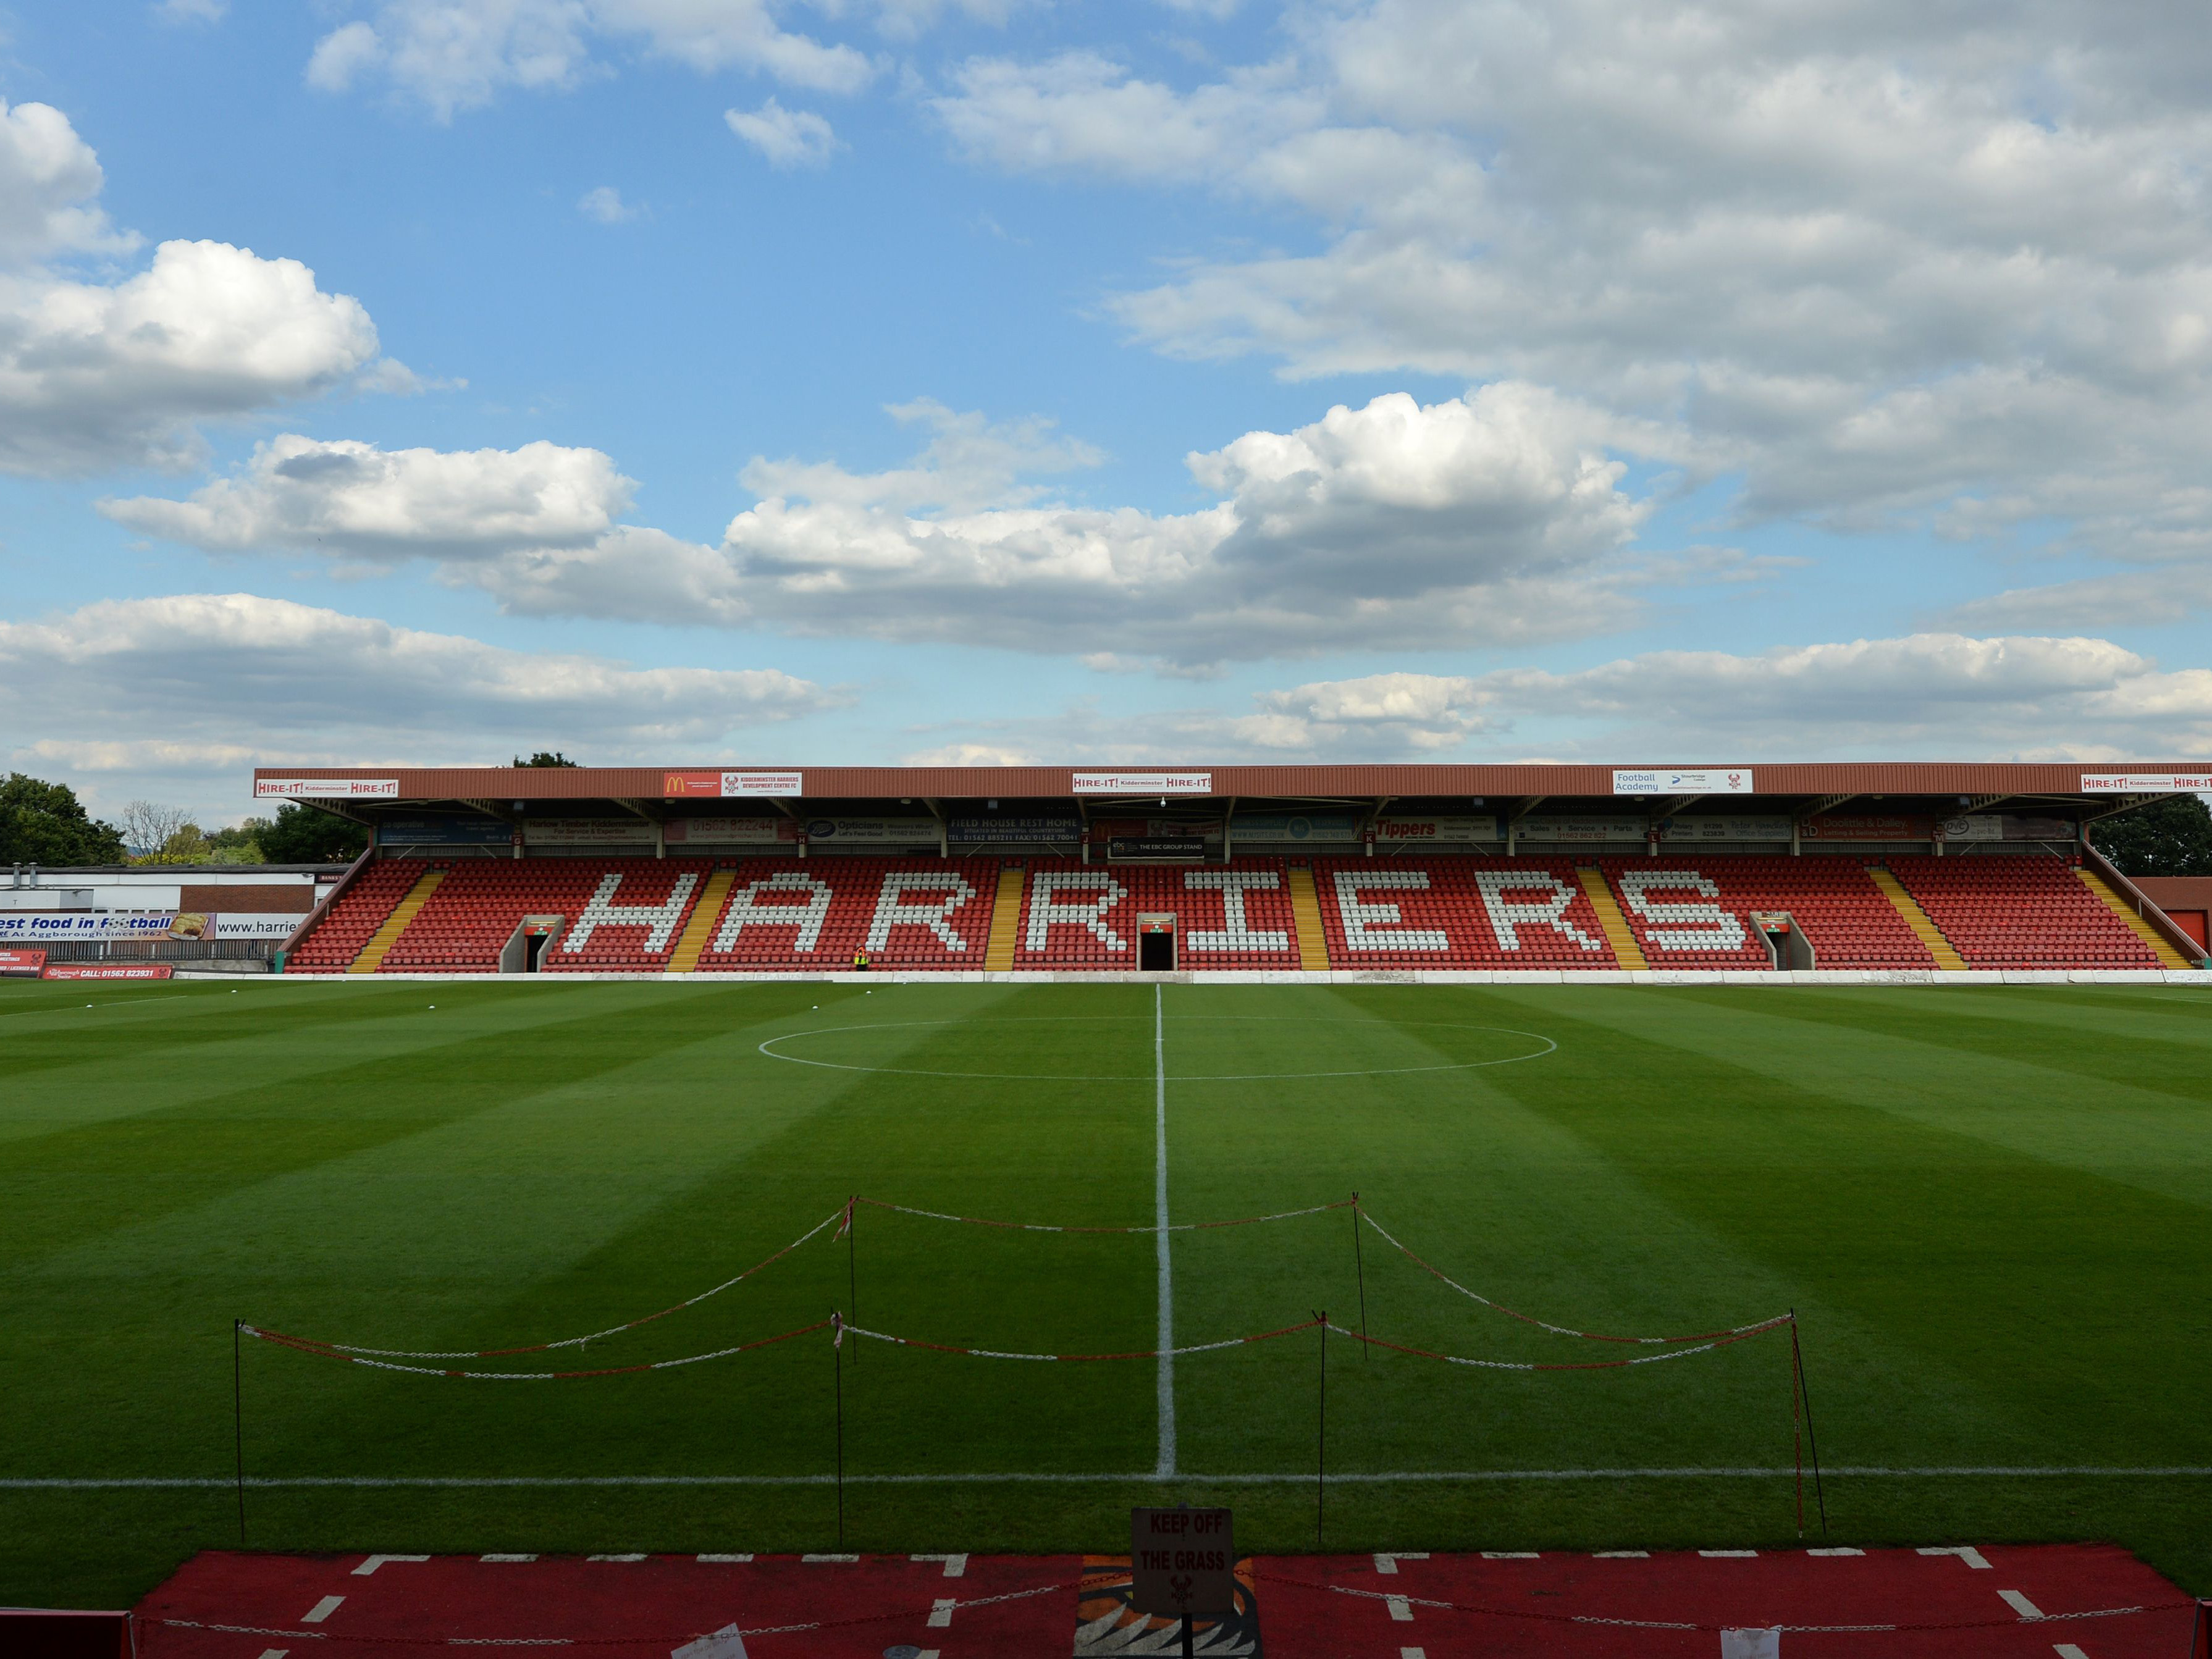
x: 1181, y: 1561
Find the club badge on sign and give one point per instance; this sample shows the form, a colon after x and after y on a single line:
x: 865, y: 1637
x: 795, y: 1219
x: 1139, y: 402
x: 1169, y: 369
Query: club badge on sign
x: 1182, y: 1561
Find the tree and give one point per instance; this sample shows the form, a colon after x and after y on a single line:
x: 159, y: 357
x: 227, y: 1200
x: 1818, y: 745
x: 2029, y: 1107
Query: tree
x: 307, y: 834
x: 149, y: 827
x: 547, y: 757
x: 2169, y: 837
x: 45, y: 824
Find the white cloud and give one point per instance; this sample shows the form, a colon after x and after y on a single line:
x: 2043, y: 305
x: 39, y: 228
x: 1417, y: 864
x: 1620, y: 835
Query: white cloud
x: 95, y: 374
x: 216, y: 682
x: 451, y: 55
x: 606, y: 205
x: 1931, y: 695
x: 49, y: 181
x: 787, y: 137
x: 352, y: 500
x: 1889, y: 267
x: 1494, y: 517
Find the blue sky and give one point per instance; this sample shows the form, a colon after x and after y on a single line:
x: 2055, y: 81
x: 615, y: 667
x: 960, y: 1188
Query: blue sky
x: 975, y: 379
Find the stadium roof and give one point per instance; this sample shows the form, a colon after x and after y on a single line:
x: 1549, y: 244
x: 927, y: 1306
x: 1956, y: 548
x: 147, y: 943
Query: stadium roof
x: 1976, y: 780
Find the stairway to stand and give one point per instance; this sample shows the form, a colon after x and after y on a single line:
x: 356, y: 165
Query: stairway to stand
x: 1626, y: 950
x: 1006, y: 921
x: 1924, y: 928
x: 381, y: 941
x: 684, y: 958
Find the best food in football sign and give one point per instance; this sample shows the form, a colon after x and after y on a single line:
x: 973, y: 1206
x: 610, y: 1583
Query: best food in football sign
x: 1182, y: 1562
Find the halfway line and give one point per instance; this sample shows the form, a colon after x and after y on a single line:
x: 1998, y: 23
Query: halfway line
x: 1165, y: 1465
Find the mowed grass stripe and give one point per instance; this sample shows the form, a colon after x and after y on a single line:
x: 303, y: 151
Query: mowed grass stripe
x: 2056, y: 1289
x: 2105, y: 1125
x: 1470, y: 1173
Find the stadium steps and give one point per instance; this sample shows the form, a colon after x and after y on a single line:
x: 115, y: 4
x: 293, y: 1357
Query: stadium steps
x: 2167, y: 955
x: 1626, y: 950
x: 1006, y: 922
x: 381, y: 941
x: 1305, y: 913
x: 1917, y: 919
x: 700, y: 927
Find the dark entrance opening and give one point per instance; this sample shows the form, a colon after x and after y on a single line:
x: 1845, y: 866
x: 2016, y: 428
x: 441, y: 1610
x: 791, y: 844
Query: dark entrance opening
x: 534, y: 946
x: 1156, y: 953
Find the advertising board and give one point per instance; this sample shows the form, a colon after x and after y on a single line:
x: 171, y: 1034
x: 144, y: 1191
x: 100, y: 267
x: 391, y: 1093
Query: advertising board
x: 1143, y: 783
x: 326, y: 789
x: 1665, y: 780
x: 729, y: 786
x: 874, y: 832
x: 1616, y: 829
x: 1868, y: 826
x: 1297, y: 826
x: 2145, y: 783
x: 1724, y: 829
x: 444, y: 832
x: 21, y: 964
x: 974, y: 831
x: 109, y: 971
x: 94, y: 926
x: 587, y: 832
x: 1157, y: 849
x: 728, y: 832
x: 1451, y: 828
x: 2005, y: 826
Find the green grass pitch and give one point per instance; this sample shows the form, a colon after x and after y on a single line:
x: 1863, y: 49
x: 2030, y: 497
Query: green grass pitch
x: 1989, y: 1208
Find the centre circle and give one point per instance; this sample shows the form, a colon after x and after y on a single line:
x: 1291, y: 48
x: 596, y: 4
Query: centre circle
x: 1538, y: 1046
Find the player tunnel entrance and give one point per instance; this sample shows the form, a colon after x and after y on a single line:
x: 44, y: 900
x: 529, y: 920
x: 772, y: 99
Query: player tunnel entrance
x: 526, y: 948
x: 1155, y: 942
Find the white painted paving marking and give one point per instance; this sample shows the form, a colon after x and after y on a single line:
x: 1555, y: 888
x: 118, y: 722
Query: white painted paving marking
x: 322, y: 1610
x: 940, y: 1613
x: 376, y: 1561
x: 2067, y: 1650
x: 507, y: 1558
x: 1401, y: 1609
x: 2020, y: 1605
x: 955, y: 1567
x: 726, y: 1558
x: 1413, y: 1653
x: 614, y: 1557
x: 274, y: 1653
x: 1729, y: 1555
x: 1622, y: 1555
x: 816, y: 1559
x: 1388, y: 1560
x: 1843, y: 1550
x: 1509, y: 1555
x: 1966, y: 1552
x: 728, y: 1642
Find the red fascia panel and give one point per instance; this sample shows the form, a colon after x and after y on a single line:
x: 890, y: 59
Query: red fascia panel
x: 1294, y: 782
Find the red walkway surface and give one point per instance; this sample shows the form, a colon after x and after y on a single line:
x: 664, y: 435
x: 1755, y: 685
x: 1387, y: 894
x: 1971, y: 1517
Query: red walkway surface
x: 1390, y: 1608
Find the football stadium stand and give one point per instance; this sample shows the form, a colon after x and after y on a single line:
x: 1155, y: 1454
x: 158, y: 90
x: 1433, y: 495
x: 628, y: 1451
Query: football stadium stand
x: 1902, y: 869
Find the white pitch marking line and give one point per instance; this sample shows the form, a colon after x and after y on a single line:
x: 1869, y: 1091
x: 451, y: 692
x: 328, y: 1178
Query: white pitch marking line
x: 819, y: 1560
x: 1844, y: 1550
x: 1511, y: 1555
x: 322, y: 1610
x: 507, y: 1558
x: 376, y: 1561
x: 1387, y: 1561
x: 725, y: 1558
x: 2067, y: 1650
x: 1729, y: 1555
x: 955, y: 1567
x: 2020, y: 1604
x: 1966, y: 1552
x: 1165, y: 1465
x: 940, y: 1613
x: 614, y: 1557
x: 1633, y: 1555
